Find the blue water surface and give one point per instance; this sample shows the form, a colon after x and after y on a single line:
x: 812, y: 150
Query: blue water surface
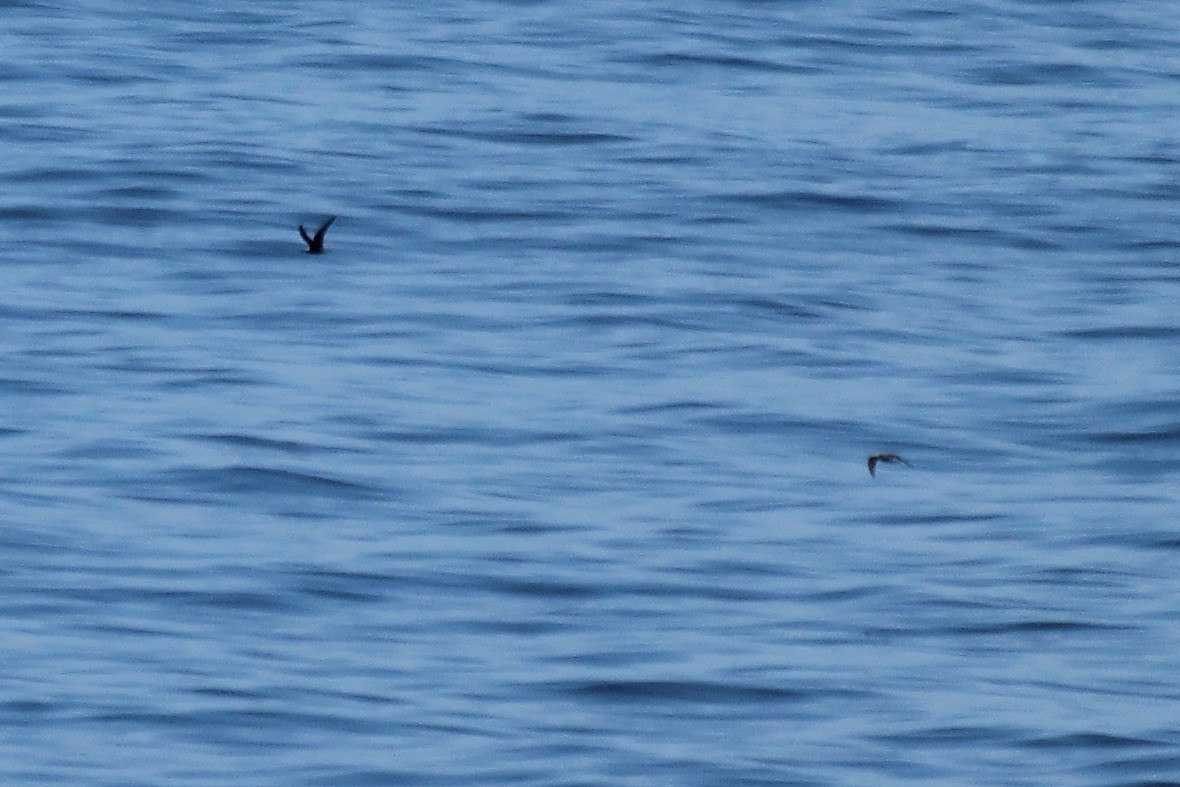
x: 551, y: 470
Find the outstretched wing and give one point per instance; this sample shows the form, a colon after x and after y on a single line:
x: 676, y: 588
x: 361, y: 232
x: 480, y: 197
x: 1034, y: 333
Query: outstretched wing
x: 303, y: 234
x: 319, y: 234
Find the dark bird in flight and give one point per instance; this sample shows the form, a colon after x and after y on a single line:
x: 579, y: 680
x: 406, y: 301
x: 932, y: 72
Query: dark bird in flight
x: 315, y: 243
x: 887, y: 458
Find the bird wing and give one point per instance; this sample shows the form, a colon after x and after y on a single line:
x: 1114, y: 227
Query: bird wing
x: 319, y: 234
x: 303, y: 234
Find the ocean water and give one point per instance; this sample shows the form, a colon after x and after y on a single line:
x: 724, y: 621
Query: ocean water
x: 551, y: 470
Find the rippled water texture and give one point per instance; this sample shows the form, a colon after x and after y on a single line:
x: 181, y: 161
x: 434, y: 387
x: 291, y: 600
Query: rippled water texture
x: 551, y: 470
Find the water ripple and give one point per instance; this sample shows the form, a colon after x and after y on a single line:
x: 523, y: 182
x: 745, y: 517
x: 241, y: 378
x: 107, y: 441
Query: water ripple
x: 551, y: 468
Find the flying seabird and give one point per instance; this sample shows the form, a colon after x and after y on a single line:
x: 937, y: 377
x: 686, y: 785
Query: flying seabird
x: 887, y: 458
x: 315, y: 243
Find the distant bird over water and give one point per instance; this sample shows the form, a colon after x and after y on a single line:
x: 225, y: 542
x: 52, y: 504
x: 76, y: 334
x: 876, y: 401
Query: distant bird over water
x: 887, y: 458
x: 315, y: 243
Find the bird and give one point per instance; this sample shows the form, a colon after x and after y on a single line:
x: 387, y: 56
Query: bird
x: 887, y: 458
x: 315, y: 243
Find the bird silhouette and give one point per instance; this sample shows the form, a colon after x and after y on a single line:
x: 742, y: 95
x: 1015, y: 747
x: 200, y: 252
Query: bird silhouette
x: 887, y: 458
x: 315, y: 243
